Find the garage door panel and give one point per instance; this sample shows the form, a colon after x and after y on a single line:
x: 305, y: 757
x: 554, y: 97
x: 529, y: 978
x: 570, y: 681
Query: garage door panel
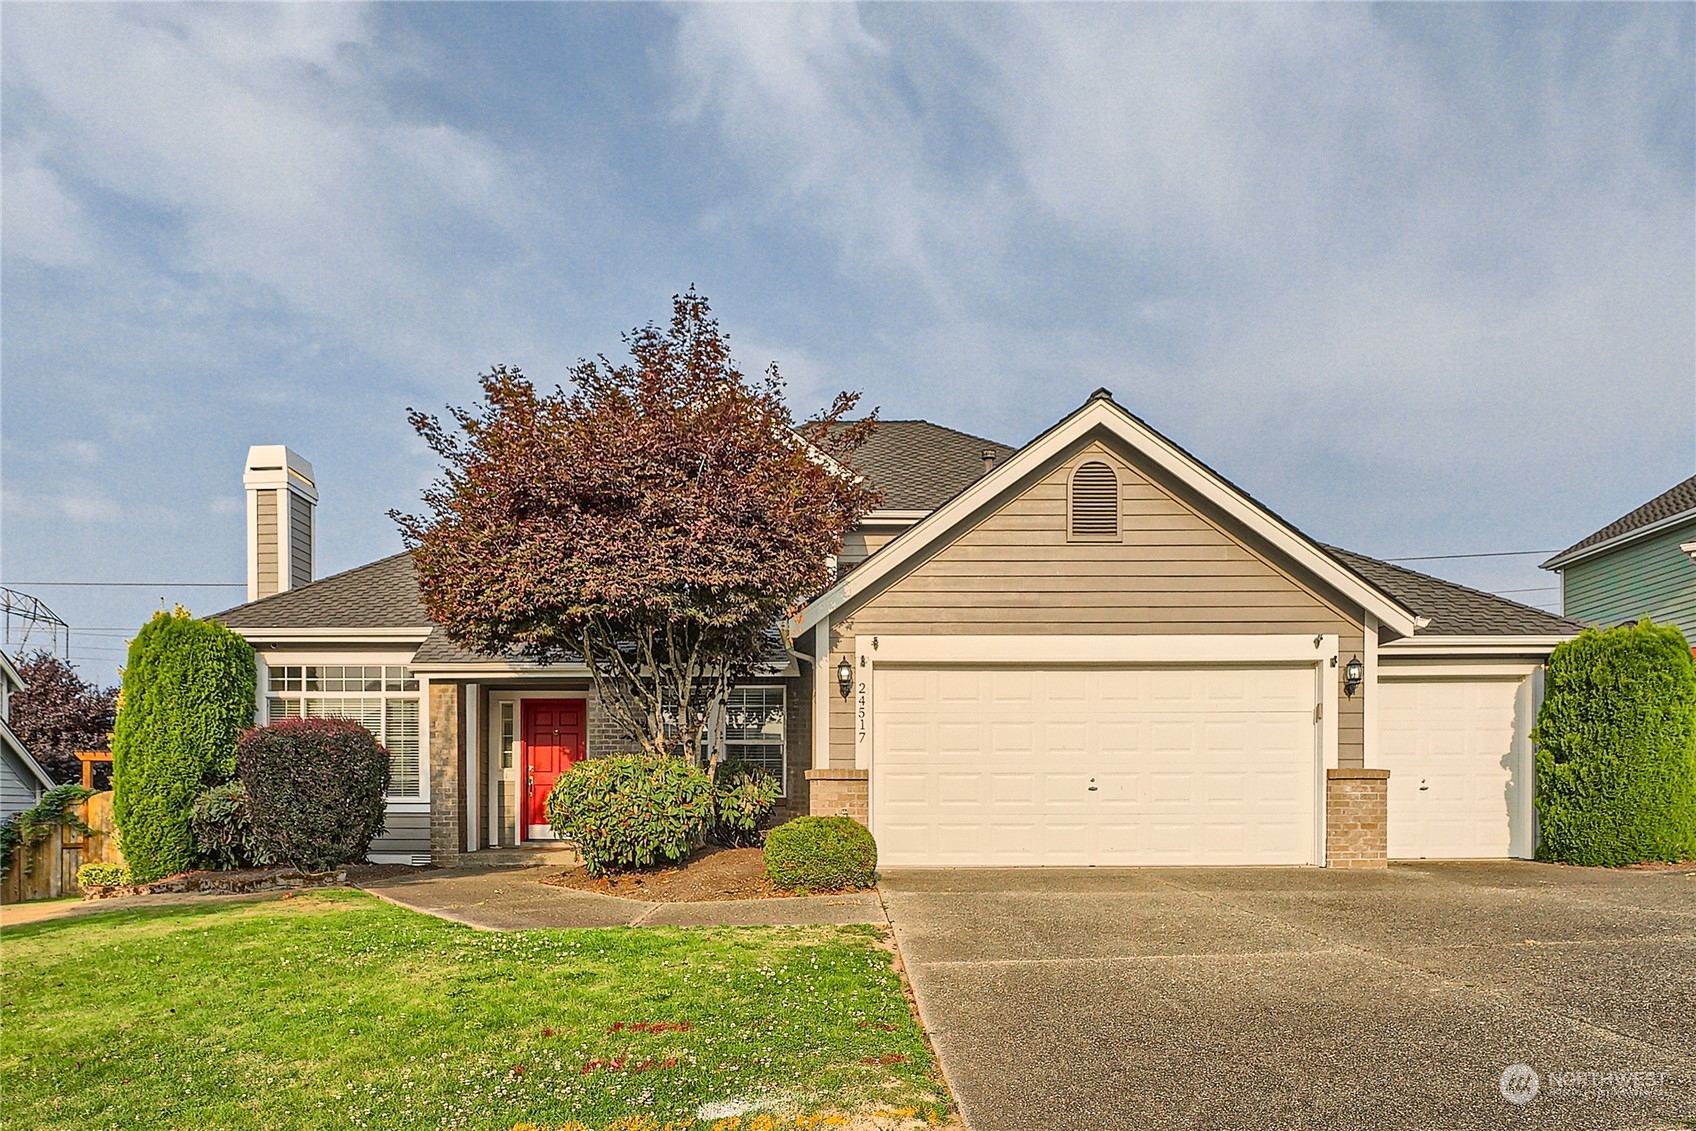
x: 1187, y: 765
x: 1451, y: 746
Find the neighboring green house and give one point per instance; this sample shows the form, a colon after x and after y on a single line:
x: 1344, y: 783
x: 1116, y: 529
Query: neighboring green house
x: 1640, y: 565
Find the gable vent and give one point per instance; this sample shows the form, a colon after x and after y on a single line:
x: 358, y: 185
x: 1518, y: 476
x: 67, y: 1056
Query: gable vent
x: 1095, y: 501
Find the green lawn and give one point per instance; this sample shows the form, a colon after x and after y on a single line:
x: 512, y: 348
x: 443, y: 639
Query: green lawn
x: 336, y: 1010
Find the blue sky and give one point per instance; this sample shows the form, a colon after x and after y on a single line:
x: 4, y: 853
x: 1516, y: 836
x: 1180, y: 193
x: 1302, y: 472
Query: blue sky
x: 1421, y: 278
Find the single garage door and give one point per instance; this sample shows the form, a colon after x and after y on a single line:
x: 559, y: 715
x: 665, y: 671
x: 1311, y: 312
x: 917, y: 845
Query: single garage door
x: 1067, y: 766
x: 1455, y: 749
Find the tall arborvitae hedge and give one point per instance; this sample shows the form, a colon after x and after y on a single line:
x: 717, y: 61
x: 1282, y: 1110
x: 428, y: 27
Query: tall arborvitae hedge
x: 1616, y: 748
x: 188, y: 694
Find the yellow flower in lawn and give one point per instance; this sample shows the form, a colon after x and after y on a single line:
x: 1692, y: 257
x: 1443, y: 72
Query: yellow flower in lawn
x: 730, y: 1123
x: 638, y: 1122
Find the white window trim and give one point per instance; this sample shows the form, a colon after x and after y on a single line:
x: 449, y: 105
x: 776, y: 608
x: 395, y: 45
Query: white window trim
x: 783, y: 740
x: 269, y: 660
x: 489, y: 736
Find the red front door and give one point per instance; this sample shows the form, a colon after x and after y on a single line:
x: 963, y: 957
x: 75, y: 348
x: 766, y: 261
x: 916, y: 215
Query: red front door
x: 553, y: 740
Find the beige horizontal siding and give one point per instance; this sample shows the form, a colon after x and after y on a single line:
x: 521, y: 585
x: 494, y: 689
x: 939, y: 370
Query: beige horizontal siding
x: 1173, y: 571
x: 266, y: 507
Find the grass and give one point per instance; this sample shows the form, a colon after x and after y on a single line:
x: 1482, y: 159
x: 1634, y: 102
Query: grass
x: 334, y: 1010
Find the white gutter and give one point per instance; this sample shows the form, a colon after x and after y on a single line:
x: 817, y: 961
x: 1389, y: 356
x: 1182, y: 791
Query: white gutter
x: 332, y: 635
x: 1540, y: 644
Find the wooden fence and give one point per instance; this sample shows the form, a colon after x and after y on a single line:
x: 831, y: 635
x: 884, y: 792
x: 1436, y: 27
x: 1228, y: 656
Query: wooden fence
x: 47, y: 869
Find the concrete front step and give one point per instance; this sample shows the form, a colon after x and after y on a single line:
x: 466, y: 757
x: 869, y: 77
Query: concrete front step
x: 528, y: 856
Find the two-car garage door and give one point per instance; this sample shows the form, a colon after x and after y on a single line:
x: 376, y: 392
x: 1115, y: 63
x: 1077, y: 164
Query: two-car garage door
x: 1001, y: 765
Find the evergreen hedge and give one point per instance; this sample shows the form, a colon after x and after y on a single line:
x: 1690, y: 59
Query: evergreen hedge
x: 1616, y: 748
x: 187, y: 696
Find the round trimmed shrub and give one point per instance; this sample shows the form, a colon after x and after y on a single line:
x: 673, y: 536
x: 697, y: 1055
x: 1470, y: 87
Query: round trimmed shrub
x: 743, y: 796
x: 188, y: 694
x: 1616, y: 748
x: 314, y: 791
x: 98, y: 875
x: 632, y: 810
x: 821, y: 854
x: 223, y: 829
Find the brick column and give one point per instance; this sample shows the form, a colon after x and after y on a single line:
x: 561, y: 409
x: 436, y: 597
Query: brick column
x: 447, y: 756
x: 838, y: 793
x: 1356, y: 818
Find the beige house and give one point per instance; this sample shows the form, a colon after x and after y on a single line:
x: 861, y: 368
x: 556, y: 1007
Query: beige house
x: 1093, y: 650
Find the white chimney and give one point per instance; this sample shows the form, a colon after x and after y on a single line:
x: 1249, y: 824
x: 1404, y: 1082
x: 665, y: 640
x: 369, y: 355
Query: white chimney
x: 282, y: 520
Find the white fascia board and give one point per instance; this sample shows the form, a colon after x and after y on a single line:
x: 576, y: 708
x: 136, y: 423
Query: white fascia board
x: 263, y: 636
x: 1099, y: 649
x: 1534, y: 645
x: 11, y: 673
x: 1569, y: 557
x: 515, y: 668
x: 17, y: 744
x: 1689, y: 549
x: 1101, y: 412
x: 891, y: 518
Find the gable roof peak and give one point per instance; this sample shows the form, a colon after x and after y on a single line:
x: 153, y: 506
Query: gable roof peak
x: 1101, y: 394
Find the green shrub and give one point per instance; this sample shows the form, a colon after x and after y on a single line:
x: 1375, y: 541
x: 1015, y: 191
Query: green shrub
x: 632, y: 810
x: 187, y: 696
x: 1616, y: 748
x: 223, y: 829
x: 821, y: 854
x: 743, y: 796
x: 314, y: 791
x: 102, y: 876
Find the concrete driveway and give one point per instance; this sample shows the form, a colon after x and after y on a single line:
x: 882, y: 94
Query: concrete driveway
x: 1305, y: 998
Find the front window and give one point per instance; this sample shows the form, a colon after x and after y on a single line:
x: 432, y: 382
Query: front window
x: 381, y: 698
x: 753, y: 729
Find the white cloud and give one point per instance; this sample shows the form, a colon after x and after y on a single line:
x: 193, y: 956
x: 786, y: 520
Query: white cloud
x: 261, y: 139
x: 1445, y: 251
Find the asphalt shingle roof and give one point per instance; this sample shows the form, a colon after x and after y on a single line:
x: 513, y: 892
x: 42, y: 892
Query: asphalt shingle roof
x: 1454, y: 610
x: 919, y: 465
x: 1676, y: 501
x: 383, y: 594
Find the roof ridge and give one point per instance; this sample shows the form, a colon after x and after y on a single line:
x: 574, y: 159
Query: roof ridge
x: 940, y: 428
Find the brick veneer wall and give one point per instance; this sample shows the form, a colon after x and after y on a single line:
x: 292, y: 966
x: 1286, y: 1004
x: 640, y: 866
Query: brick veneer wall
x: 447, y: 755
x: 839, y: 793
x: 605, y: 736
x: 1356, y: 818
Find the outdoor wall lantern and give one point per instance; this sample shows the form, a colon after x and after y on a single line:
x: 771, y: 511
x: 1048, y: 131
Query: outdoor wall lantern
x: 1353, y: 673
x: 845, y: 677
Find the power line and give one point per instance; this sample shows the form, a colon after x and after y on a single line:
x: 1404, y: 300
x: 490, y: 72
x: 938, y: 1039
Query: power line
x: 139, y: 584
x: 1448, y: 557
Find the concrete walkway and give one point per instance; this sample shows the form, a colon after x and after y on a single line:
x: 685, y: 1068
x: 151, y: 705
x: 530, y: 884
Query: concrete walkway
x: 1257, y: 998
x: 515, y: 899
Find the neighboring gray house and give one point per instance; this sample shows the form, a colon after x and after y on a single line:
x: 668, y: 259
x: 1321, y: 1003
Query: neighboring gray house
x: 1642, y: 564
x: 1089, y: 650
x: 22, y: 780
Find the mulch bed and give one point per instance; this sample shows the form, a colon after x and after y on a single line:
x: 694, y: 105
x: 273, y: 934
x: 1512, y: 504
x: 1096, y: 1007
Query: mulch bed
x: 710, y: 875
x: 239, y: 881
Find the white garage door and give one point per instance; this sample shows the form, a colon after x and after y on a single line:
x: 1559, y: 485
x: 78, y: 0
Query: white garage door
x: 1017, y: 766
x: 1454, y: 750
